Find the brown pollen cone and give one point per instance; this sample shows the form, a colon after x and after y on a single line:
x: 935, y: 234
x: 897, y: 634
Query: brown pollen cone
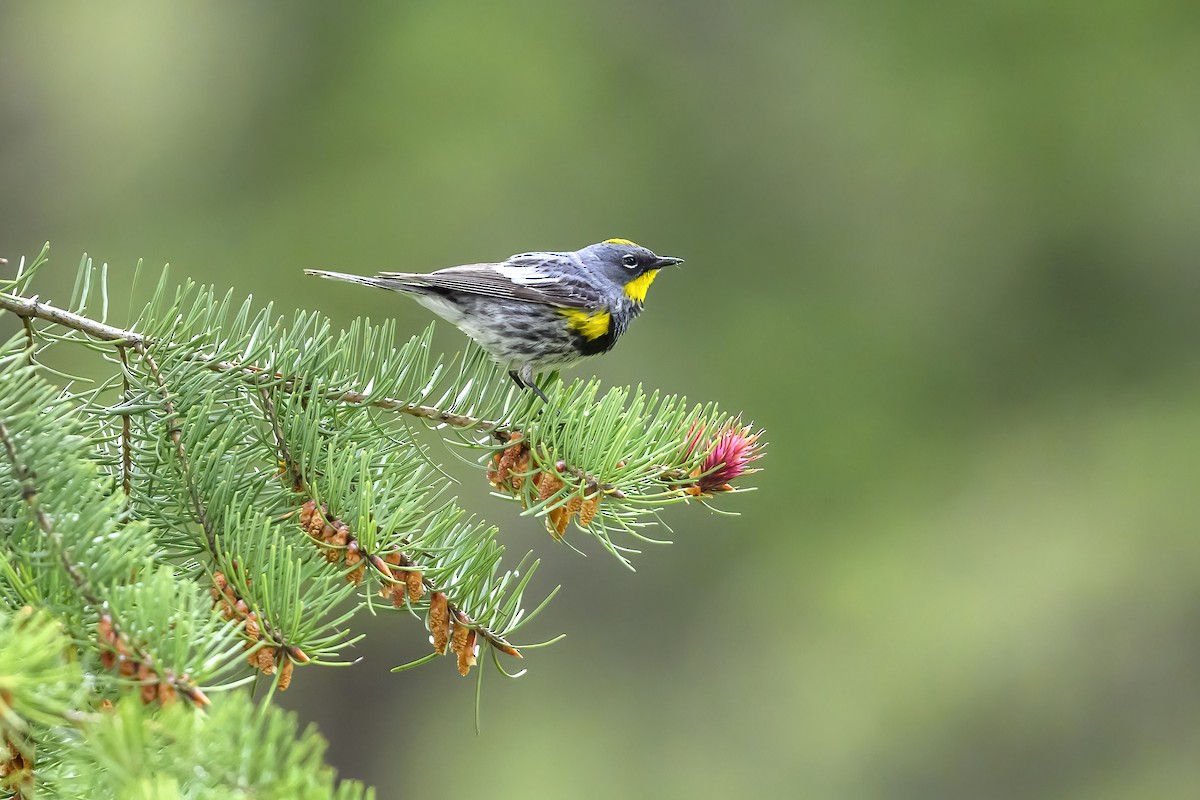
x: 439, y: 621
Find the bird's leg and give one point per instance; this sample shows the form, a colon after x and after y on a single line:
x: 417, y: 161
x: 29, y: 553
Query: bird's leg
x: 524, y: 378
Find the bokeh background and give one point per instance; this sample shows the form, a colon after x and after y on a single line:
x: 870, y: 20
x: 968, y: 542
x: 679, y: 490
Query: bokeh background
x: 946, y: 254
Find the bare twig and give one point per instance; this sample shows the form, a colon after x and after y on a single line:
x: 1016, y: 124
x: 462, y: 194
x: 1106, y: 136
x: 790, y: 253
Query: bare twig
x: 29, y: 307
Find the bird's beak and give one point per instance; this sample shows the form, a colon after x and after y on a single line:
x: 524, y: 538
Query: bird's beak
x: 666, y: 261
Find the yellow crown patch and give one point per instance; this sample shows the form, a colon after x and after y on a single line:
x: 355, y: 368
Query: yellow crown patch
x: 622, y: 241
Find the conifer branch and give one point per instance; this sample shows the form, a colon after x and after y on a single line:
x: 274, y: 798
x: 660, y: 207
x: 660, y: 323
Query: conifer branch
x: 235, y: 420
x: 258, y: 376
x: 285, y: 457
x: 429, y: 413
x: 126, y: 427
x: 572, y: 449
x: 30, y: 341
x: 30, y: 308
x: 29, y: 495
x: 402, y: 573
x: 410, y: 584
x: 175, y: 432
x: 117, y: 650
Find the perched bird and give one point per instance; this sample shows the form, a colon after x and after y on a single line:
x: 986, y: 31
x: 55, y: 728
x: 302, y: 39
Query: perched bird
x: 536, y: 310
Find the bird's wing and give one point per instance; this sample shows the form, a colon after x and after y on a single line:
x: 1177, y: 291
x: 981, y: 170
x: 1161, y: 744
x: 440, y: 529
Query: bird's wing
x: 518, y: 278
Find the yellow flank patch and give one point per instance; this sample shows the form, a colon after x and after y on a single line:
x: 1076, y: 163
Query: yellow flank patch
x: 636, y: 289
x: 621, y: 241
x: 590, y: 324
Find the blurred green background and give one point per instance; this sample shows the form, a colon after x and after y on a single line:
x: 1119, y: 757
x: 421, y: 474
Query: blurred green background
x: 946, y: 254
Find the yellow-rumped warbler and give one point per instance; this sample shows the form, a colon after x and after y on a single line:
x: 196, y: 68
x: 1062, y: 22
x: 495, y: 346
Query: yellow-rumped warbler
x: 536, y: 310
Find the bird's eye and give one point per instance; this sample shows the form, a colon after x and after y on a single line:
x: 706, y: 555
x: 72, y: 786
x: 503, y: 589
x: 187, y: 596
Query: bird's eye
x: 629, y: 261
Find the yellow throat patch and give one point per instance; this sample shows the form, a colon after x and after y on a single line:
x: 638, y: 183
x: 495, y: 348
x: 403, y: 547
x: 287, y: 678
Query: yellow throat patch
x: 636, y: 289
x: 591, y: 325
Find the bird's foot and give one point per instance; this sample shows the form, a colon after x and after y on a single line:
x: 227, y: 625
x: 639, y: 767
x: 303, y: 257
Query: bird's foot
x: 524, y: 379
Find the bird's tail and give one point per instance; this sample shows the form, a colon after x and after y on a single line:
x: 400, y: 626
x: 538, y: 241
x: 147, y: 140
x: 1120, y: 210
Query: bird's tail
x: 379, y: 283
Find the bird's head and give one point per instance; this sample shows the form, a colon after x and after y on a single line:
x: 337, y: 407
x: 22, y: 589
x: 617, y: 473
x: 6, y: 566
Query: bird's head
x: 626, y: 264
